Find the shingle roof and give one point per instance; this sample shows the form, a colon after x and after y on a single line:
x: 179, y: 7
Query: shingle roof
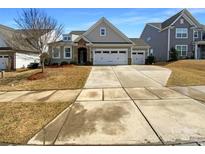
x: 8, y: 35
x: 171, y: 19
x: 78, y: 32
x: 156, y: 24
x: 139, y: 42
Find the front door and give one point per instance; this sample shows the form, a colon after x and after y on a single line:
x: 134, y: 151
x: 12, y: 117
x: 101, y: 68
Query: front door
x: 202, y: 56
x: 82, y: 55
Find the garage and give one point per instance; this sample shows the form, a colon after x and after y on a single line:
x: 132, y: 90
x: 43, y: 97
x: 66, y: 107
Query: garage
x: 3, y: 62
x: 110, y: 57
x: 138, y: 57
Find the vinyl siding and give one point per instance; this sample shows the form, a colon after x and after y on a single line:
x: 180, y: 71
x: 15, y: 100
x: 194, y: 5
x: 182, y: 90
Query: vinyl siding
x: 111, y: 35
x: 187, y: 41
x: 61, y: 59
x: 158, y: 41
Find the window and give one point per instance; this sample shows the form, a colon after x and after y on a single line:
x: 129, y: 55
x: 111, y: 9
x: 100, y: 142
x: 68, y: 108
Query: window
x: 102, y: 31
x: 182, y: 50
x: 67, y: 52
x: 181, y: 33
x: 113, y: 51
x: 56, y: 52
x: 66, y: 37
x: 122, y: 51
x: 97, y: 51
x: 106, y: 52
x: 150, y: 52
x: 195, y: 34
x: 203, y: 36
x: 148, y: 39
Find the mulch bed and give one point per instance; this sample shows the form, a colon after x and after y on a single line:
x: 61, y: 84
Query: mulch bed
x: 38, y: 76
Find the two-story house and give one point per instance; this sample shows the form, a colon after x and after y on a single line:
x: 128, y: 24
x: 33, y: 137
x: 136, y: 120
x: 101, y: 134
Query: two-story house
x: 181, y: 31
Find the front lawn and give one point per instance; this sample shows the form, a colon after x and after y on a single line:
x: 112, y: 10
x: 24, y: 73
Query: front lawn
x: 186, y: 72
x: 21, y: 121
x: 67, y: 77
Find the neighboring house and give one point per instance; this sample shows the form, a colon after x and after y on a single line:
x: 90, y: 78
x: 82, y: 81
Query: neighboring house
x: 12, y: 54
x: 181, y: 31
x: 101, y: 44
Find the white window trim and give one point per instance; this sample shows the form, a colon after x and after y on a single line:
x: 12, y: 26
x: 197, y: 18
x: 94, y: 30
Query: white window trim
x: 197, y: 34
x: 58, y: 54
x: 104, y: 30
x: 181, y: 50
x: 181, y: 37
x: 67, y: 36
x: 70, y: 52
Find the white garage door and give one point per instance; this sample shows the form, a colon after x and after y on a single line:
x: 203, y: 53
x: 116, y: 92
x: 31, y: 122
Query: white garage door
x: 138, y: 57
x: 3, y: 62
x: 110, y: 57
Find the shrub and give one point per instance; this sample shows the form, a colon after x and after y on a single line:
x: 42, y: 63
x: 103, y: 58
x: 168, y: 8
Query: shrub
x: 73, y: 62
x: 33, y: 65
x: 150, y: 60
x: 64, y: 63
x: 54, y: 64
x: 173, y: 54
x: 88, y: 63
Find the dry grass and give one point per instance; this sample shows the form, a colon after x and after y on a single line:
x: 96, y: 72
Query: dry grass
x: 21, y: 121
x: 68, y: 77
x: 186, y: 72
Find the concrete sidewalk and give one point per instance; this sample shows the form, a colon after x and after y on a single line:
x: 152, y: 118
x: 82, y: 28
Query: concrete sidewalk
x: 144, y: 116
x: 39, y: 96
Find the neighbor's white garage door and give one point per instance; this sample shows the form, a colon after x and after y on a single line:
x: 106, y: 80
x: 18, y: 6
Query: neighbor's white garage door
x: 110, y: 57
x: 3, y: 62
x: 138, y: 57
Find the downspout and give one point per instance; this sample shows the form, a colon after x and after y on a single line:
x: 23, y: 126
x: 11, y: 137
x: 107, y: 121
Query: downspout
x: 168, y: 43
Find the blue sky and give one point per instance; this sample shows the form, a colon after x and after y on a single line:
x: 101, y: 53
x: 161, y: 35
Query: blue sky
x: 129, y: 21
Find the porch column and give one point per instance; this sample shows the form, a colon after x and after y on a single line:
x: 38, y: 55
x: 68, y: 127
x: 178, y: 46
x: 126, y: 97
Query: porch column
x: 196, y: 51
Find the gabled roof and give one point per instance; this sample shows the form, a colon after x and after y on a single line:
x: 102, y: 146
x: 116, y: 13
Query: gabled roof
x: 139, y: 42
x: 78, y: 32
x: 82, y: 37
x: 173, y: 18
x: 185, y: 12
x: 103, y: 19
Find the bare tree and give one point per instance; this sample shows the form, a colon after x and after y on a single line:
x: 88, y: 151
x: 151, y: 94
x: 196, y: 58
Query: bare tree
x: 36, y: 30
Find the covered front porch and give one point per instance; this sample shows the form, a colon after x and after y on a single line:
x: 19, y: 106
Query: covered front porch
x: 200, y: 50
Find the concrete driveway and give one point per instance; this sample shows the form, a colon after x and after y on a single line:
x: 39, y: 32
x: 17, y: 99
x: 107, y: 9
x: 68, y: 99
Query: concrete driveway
x: 127, y: 76
x: 128, y: 105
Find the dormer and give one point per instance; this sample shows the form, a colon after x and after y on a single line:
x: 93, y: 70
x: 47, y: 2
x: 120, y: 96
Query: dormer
x: 66, y: 37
